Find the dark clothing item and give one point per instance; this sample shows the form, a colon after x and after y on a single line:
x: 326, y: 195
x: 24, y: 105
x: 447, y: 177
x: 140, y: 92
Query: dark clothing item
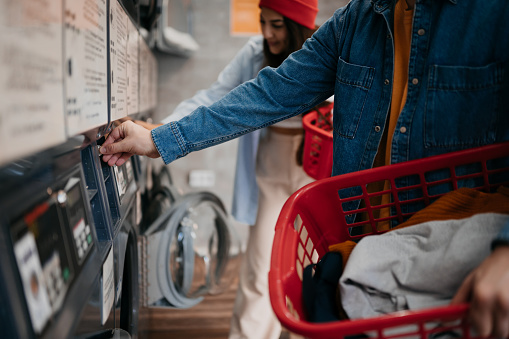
x: 319, y: 290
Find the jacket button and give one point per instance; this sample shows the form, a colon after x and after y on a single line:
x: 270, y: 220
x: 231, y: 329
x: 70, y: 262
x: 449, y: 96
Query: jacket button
x: 415, y: 81
x: 386, y: 81
x: 421, y: 31
x: 377, y: 128
x: 402, y: 129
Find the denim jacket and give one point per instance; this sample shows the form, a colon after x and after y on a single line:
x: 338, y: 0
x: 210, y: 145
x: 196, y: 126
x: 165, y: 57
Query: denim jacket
x: 458, y: 86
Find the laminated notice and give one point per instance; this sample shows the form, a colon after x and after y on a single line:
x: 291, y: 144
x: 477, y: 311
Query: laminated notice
x: 86, y: 65
x: 31, y: 79
x: 144, y: 76
x: 34, y: 285
x: 108, y: 287
x: 118, y: 61
x: 153, y: 81
x: 148, y: 78
x: 133, y: 89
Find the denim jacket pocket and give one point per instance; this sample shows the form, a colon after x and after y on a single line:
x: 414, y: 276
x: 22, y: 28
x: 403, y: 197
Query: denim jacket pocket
x: 352, y: 85
x: 462, y: 106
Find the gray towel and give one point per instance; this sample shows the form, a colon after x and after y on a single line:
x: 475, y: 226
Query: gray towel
x: 415, y: 267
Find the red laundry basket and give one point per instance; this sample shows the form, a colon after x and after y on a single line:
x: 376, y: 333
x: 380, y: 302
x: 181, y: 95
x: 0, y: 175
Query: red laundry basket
x: 317, y: 156
x: 314, y: 218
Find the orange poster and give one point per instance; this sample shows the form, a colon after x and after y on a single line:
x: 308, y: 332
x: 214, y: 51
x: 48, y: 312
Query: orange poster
x: 244, y: 17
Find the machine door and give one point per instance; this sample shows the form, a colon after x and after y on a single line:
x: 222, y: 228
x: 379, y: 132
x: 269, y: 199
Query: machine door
x: 188, y: 251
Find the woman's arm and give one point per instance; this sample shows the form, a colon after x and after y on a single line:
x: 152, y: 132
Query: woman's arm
x: 243, y: 67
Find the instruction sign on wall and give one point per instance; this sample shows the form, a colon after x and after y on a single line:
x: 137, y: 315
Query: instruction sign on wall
x: 118, y: 60
x: 31, y: 85
x: 85, y: 75
x: 133, y: 82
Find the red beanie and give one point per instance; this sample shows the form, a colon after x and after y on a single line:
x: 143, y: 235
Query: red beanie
x: 301, y: 11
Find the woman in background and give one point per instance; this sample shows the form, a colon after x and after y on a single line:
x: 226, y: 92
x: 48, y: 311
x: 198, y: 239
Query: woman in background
x: 267, y: 172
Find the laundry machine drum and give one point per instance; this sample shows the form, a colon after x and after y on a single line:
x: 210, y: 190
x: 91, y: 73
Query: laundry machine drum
x: 197, y: 250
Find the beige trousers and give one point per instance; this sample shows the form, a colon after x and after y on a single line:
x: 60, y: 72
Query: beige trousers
x: 278, y: 177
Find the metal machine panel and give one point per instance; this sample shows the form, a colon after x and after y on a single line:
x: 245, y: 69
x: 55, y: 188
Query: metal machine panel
x: 127, y: 277
x: 116, y: 198
x: 96, y: 316
x: 111, y: 190
x: 96, y: 192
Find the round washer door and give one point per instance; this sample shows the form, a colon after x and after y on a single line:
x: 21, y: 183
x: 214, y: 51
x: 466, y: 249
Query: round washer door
x: 198, y: 250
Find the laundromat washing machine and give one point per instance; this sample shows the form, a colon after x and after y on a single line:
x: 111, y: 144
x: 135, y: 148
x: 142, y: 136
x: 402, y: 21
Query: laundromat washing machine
x: 85, y: 246
x: 188, y: 246
x: 50, y: 252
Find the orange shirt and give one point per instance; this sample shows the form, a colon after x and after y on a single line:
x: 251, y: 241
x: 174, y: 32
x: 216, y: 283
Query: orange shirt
x: 459, y: 204
x: 402, y: 41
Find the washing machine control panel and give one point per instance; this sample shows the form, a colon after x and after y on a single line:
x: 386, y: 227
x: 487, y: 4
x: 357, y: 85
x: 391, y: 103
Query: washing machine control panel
x: 51, y: 240
x: 71, y: 200
x: 43, y: 261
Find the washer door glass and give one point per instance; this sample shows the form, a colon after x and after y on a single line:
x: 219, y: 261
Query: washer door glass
x: 204, y: 253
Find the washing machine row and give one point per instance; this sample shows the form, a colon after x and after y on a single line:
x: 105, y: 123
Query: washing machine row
x: 68, y: 245
x: 85, y: 245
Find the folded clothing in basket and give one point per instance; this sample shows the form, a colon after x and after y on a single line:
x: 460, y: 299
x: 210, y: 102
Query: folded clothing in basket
x: 411, y: 267
x: 416, y: 267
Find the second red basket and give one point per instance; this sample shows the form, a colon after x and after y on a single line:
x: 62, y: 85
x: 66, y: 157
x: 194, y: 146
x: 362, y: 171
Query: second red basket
x: 317, y: 157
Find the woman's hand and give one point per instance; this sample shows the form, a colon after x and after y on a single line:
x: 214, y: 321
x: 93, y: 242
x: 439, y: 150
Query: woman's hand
x: 487, y: 290
x: 124, y: 141
x: 147, y: 125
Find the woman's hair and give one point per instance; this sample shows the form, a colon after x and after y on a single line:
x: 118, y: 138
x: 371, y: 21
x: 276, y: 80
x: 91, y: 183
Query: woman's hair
x: 297, y: 35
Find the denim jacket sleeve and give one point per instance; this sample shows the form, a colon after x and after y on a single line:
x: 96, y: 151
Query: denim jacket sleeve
x: 243, y: 67
x: 305, y: 79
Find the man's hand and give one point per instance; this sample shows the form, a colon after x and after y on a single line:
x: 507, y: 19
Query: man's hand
x: 487, y: 290
x: 124, y: 141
